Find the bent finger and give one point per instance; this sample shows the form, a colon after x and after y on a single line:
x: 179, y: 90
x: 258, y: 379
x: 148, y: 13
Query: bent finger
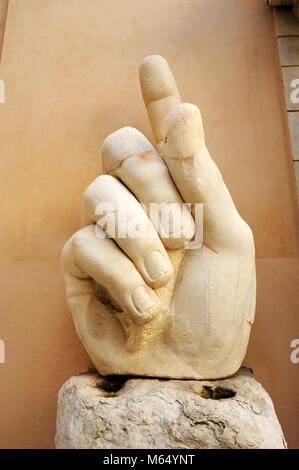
x: 109, y: 204
x: 136, y: 305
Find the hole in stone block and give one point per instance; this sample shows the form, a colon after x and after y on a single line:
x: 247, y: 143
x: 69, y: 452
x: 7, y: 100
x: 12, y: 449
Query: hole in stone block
x: 217, y: 393
x: 112, y: 384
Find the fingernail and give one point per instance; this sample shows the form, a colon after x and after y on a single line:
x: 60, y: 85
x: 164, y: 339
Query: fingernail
x: 158, y: 267
x: 144, y: 300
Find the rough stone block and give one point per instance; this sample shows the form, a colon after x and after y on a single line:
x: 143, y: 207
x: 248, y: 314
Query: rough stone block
x: 125, y: 413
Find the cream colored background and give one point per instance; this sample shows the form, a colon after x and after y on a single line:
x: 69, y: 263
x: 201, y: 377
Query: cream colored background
x: 70, y: 70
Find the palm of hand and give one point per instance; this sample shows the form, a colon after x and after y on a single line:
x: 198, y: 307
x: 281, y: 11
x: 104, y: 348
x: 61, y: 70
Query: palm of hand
x: 144, y: 307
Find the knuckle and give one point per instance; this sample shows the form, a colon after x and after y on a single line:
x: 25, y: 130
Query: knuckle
x: 96, y: 191
x: 95, y: 188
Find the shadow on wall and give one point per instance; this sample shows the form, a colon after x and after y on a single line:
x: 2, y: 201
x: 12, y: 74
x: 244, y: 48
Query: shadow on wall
x: 295, y: 3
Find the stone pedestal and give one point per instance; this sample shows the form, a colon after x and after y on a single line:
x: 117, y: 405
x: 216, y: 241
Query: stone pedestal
x: 95, y: 412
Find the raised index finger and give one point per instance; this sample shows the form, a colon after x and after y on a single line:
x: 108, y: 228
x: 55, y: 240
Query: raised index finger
x: 159, y: 91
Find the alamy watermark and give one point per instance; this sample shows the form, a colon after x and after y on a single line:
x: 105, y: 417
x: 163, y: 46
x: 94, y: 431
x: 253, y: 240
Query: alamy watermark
x: 2, y: 351
x: 171, y: 220
x: 2, y: 92
x: 295, y: 93
x: 295, y: 353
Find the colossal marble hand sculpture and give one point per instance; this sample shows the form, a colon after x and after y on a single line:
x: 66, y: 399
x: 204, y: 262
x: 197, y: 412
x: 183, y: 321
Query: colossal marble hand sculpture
x: 148, y: 305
